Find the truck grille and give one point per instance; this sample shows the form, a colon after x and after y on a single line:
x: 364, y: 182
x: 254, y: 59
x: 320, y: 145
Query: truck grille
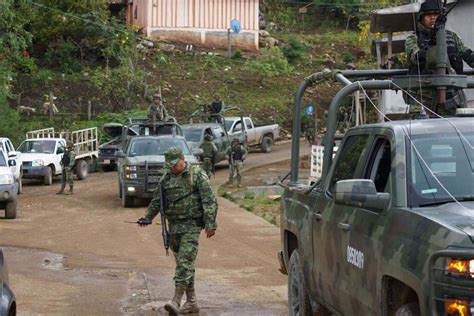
x: 153, y: 176
x: 107, y: 151
x: 27, y: 163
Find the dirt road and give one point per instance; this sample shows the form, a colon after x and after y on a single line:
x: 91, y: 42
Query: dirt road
x: 74, y: 255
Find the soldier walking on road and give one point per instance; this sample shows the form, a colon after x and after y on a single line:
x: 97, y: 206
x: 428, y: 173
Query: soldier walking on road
x: 209, y: 155
x: 190, y: 206
x: 67, y: 162
x: 156, y: 110
x: 236, y: 155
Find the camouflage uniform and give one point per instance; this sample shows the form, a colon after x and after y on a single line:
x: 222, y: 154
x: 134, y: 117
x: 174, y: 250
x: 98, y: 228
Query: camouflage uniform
x: 157, y: 112
x: 236, y: 154
x: 421, y: 53
x: 209, y: 155
x: 191, y: 206
x: 68, y: 162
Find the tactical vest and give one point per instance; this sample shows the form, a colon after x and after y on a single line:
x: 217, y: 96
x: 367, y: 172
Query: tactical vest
x: 455, y: 59
x: 66, y: 160
x: 216, y: 106
x: 237, y: 153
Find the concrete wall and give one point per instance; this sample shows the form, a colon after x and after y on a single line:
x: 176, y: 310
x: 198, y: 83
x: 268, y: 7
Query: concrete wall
x: 199, y: 22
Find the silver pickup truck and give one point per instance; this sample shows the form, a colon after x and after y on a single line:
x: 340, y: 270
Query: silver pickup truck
x: 262, y: 136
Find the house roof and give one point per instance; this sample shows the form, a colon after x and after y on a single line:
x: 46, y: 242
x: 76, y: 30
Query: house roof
x: 397, y: 19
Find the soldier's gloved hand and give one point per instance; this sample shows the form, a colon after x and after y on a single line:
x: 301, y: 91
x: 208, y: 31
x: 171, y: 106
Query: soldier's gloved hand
x: 142, y: 221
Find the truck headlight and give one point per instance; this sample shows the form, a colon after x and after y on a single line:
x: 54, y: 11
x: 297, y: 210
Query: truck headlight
x: 131, y: 168
x: 131, y: 176
x: 37, y: 163
x: 455, y: 307
x: 460, y: 268
x: 6, y: 179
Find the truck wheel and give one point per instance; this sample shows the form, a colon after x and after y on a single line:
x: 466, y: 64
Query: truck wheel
x: 127, y: 201
x: 48, y: 177
x: 267, y: 143
x: 82, y: 169
x: 298, y: 300
x: 411, y: 309
x: 20, y: 185
x: 10, y: 210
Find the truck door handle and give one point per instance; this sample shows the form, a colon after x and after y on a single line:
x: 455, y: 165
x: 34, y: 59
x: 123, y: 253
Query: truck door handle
x: 344, y: 226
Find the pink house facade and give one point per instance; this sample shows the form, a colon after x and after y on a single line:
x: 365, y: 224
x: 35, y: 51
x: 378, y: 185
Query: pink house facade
x: 198, y: 22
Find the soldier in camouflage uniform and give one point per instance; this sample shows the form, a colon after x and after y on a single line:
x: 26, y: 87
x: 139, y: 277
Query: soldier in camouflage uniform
x: 191, y: 206
x: 209, y: 155
x: 67, y: 162
x: 421, y: 53
x: 236, y: 154
x: 156, y: 110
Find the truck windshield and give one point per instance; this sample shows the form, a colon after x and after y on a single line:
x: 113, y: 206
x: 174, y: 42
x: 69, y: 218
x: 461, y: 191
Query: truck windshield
x: 449, y: 161
x: 192, y: 134
x: 156, y: 147
x: 228, y: 124
x: 3, y: 163
x: 38, y: 146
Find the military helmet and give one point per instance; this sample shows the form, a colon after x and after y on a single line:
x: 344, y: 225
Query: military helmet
x: 69, y: 144
x: 207, y: 137
x: 172, y: 156
x: 216, y: 95
x: 156, y: 96
x: 429, y: 6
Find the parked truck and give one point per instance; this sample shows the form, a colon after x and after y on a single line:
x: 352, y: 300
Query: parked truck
x: 16, y: 168
x: 388, y: 229
x: 43, y: 150
x: 262, y: 136
x: 8, y: 186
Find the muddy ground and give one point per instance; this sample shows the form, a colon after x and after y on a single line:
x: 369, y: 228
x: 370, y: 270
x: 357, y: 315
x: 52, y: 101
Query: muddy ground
x: 75, y: 255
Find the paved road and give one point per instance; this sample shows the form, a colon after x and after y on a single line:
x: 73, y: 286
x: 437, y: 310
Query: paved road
x: 74, y: 255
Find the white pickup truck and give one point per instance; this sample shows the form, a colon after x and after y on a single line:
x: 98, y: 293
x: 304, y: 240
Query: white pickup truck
x: 43, y: 150
x: 8, y: 186
x: 10, y: 154
x: 262, y: 136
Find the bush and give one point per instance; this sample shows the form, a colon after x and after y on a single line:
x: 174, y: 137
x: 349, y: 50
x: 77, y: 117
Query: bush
x: 294, y: 50
x: 237, y: 54
x: 271, y: 63
x: 63, y: 55
x: 249, y: 195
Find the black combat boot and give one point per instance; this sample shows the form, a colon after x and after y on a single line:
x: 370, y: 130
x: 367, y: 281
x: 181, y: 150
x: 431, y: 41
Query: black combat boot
x: 71, y: 190
x: 61, y: 191
x: 172, y: 306
x: 191, y: 305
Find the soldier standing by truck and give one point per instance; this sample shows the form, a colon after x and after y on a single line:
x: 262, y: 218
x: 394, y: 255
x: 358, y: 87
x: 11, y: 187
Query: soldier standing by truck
x: 156, y: 110
x: 189, y: 206
x: 216, y: 108
x: 67, y: 162
x: 209, y: 155
x: 236, y: 155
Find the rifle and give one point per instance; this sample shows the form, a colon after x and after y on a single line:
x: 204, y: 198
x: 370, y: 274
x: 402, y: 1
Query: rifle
x: 164, y: 227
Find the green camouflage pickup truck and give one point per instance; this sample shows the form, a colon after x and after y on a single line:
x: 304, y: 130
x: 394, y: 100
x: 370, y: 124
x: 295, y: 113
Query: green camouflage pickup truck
x: 389, y: 227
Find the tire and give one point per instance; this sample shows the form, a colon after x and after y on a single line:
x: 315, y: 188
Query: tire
x: 411, y: 309
x: 298, y: 300
x: 82, y: 169
x: 20, y: 185
x: 127, y: 201
x: 48, y: 177
x: 10, y: 210
x: 267, y: 143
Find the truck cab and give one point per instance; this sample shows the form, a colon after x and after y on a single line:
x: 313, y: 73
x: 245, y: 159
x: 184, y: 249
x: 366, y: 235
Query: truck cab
x: 17, y: 167
x: 8, y: 186
x: 194, y: 134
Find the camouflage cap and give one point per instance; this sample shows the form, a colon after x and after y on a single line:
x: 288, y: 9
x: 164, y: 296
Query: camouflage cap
x: 216, y: 95
x: 156, y: 96
x: 172, y: 156
x: 69, y: 143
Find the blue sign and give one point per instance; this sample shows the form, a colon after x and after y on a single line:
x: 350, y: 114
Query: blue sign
x: 309, y: 110
x: 235, y: 25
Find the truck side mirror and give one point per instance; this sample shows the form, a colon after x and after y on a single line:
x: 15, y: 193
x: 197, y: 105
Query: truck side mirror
x: 360, y: 193
x: 12, y: 163
x: 119, y: 154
